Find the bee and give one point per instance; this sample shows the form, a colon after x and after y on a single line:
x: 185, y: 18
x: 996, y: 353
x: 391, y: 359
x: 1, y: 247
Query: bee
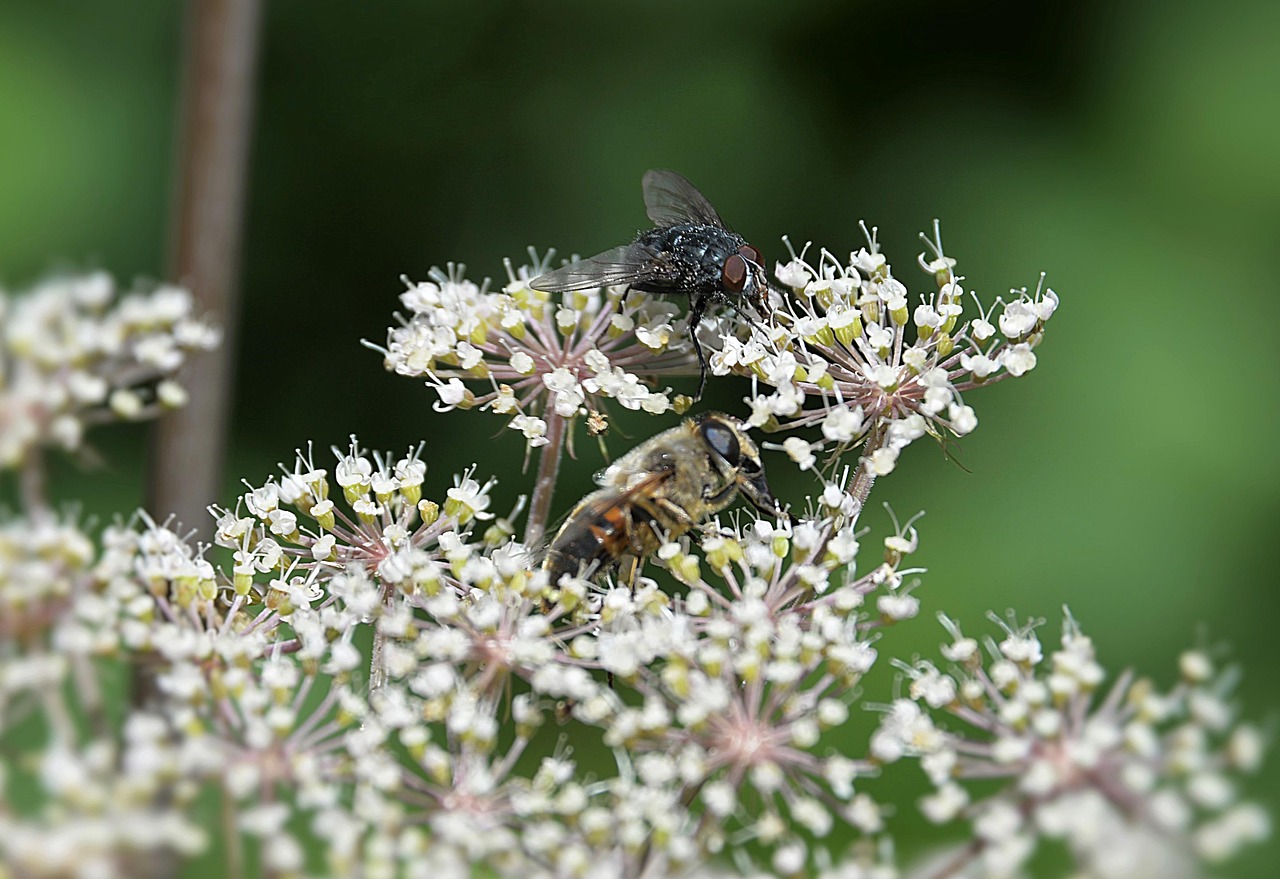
x: 657, y: 491
x: 690, y: 253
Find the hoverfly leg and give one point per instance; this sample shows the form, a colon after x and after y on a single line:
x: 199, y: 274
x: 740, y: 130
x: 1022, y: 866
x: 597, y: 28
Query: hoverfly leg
x: 629, y: 571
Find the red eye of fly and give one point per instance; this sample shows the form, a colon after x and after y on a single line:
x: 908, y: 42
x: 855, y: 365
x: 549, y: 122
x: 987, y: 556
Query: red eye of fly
x: 734, y: 273
x: 750, y: 254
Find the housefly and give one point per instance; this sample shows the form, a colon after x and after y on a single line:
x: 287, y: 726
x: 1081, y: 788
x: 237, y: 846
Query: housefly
x: 690, y: 252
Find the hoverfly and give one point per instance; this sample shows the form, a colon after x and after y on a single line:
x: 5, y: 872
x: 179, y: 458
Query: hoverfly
x: 689, y: 252
x: 658, y: 491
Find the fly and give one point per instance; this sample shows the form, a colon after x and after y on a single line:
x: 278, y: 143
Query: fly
x: 690, y: 252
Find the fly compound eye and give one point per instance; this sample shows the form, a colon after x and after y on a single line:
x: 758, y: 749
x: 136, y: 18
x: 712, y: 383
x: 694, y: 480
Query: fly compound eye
x: 734, y: 273
x: 750, y: 254
x: 723, y: 441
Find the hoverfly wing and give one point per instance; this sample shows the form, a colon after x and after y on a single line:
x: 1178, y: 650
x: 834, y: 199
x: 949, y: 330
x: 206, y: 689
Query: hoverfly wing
x: 670, y: 200
x: 621, y: 265
x: 629, y: 479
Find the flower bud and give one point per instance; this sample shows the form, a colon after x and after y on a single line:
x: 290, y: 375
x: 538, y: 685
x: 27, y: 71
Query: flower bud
x: 499, y: 532
x: 871, y: 309
x: 684, y: 568
x: 242, y: 580
x: 825, y: 337
x: 675, y: 674
x: 722, y: 553
x: 620, y: 325
x: 780, y: 545
x: 429, y: 511
x: 848, y: 331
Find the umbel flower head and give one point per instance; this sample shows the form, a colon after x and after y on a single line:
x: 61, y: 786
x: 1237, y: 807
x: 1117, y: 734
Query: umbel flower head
x: 1118, y: 773
x: 43, y: 564
x: 302, y: 530
x: 74, y: 354
x: 525, y: 354
x: 848, y: 351
x: 724, y: 693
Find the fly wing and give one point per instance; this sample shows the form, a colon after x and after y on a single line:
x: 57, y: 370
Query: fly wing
x: 669, y: 200
x: 627, y: 264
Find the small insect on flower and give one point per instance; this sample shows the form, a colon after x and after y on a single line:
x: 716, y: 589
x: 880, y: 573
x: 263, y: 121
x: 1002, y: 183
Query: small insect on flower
x: 690, y: 252
x: 657, y: 492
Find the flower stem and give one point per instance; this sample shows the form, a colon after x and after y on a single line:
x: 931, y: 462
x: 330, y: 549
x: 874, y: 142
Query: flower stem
x: 31, y: 485
x: 219, y: 68
x: 544, y: 486
x: 866, y: 477
x: 962, y: 859
x: 231, y: 836
x: 377, y: 665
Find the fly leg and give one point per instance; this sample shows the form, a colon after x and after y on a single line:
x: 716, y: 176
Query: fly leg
x: 697, y: 308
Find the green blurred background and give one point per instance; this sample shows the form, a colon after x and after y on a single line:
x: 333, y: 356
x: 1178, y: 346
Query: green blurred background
x: 1130, y: 149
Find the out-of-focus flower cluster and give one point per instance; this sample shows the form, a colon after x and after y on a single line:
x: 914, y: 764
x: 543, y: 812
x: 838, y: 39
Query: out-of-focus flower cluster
x: 108, y: 805
x: 851, y: 352
x: 261, y: 688
x: 41, y: 563
x: 525, y: 354
x: 1131, y: 779
x: 713, y: 703
x: 76, y: 353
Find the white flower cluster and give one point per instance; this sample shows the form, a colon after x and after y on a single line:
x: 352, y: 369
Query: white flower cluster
x: 74, y: 353
x: 42, y: 562
x: 301, y: 532
x: 715, y: 711
x: 475, y: 733
x: 103, y: 814
x: 849, y: 353
x: 1116, y: 773
x: 736, y: 683
x: 714, y: 706
x: 536, y: 357
x: 259, y: 680
x: 105, y: 793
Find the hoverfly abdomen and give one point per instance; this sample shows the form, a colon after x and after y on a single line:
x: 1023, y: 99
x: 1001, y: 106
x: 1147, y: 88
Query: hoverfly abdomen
x: 596, y: 532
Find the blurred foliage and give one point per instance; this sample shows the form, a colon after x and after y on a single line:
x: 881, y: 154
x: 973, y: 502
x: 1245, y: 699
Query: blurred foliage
x: 1128, y: 149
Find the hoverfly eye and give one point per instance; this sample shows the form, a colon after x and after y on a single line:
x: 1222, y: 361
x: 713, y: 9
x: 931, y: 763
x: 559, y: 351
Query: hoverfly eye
x: 751, y: 254
x: 734, y: 273
x: 723, y: 441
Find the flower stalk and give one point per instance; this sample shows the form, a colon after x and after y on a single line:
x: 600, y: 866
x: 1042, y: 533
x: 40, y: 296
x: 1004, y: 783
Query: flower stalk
x: 545, y: 481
